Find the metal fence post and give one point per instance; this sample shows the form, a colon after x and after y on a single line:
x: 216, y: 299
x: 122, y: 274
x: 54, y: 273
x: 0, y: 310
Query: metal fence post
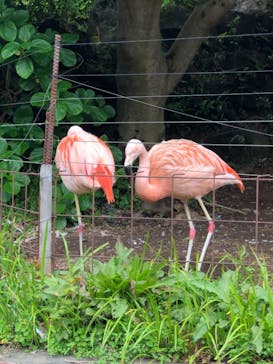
x: 45, y: 228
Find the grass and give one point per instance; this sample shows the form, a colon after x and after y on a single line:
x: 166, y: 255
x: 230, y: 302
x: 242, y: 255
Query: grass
x: 129, y: 308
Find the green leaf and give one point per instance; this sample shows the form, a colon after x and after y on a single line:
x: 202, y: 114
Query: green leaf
x: 39, y: 99
x: 26, y: 32
x: 73, y: 104
x: 98, y: 114
x: 19, y: 148
x: 85, y: 202
x: 3, y: 145
x: 43, y: 61
x: 110, y: 111
x: 60, y: 208
x: 61, y: 222
x: 12, y: 187
x: 119, y: 307
x: 15, y: 164
x: 6, y: 197
x: 60, y: 111
x: 24, y: 67
x: 22, y: 179
x: 27, y: 85
x: 23, y: 115
x: 20, y: 17
x: 68, y: 57
x: 40, y: 45
x: 63, y: 86
x: 8, y: 30
x: 10, y: 49
x: 200, y: 330
x: 37, y: 155
x: 69, y: 38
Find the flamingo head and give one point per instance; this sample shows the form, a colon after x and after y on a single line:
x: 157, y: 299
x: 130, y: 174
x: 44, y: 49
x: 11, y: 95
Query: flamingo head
x: 133, y: 150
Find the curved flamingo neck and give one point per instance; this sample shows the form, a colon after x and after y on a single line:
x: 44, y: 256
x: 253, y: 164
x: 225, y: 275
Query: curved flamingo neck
x: 146, y: 188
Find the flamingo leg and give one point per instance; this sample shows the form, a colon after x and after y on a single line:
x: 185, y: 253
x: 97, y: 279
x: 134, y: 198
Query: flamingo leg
x: 80, y: 224
x: 211, y: 229
x: 191, y: 235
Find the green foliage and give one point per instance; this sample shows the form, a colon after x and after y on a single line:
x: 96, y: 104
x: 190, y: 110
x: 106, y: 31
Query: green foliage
x: 128, y: 308
x: 26, y: 57
x: 74, y: 14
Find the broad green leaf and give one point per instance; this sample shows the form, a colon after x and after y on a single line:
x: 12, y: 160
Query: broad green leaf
x: 85, y: 202
x: 45, y: 80
x: 60, y: 208
x: 117, y: 153
x: 10, y: 49
x: 8, y: 30
x: 40, y: 45
x: 6, y: 197
x: 36, y: 132
x: 22, y: 179
x: 26, y: 32
x: 39, y: 99
x: 75, y: 119
x: 3, y: 145
x: 27, y: 85
x: 109, y: 110
x: 61, y: 222
x: 3, y: 166
x: 119, y: 307
x: 20, y: 17
x: 200, y: 330
x: 37, y: 155
x: 69, y: 38
x: 12, y: 187
x: 85, y: 94
x: 43, y: 61
x: 67, y: 57
x: 19, y: 148
x: 60, y: 111
x: 98, y: 114
x: 24, y: 67
x: 100, y: 101
x: 15, y: 163
x: 73, y: 103
x: 23, y: 115
x: 63, y: 86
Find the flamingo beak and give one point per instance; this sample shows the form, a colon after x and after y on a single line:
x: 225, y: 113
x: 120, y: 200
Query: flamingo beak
x: 128, y: 170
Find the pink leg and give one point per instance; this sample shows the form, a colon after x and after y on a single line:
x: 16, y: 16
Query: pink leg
x: 211, y: 229
x: 191, y: 235
x: 80, y: 224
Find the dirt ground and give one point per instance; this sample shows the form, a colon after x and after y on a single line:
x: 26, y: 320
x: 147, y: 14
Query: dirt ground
x: 241, y: 220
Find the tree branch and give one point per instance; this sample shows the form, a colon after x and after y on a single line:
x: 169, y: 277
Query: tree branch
x: 203, y: 18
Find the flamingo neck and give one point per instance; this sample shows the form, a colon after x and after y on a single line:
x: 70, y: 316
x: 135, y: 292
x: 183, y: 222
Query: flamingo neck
x: 145, y: 186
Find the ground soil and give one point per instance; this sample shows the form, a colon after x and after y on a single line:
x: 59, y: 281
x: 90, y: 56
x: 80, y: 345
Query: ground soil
x: 243, y: 221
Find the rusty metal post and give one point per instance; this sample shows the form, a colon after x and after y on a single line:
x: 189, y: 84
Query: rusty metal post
x: 45, y: 228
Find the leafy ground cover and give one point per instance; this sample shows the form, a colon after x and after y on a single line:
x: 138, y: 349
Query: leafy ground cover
x: 129, y: 308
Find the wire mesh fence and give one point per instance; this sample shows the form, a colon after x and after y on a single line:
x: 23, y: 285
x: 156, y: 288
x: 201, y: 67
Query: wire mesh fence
x: 241, y: 220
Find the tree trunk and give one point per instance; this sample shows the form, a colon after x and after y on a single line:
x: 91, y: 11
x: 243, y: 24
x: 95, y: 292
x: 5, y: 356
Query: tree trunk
x: 143, y: 118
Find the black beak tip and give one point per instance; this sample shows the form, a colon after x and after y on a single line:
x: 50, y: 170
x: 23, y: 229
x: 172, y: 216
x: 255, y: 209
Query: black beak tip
x: 128, y: 170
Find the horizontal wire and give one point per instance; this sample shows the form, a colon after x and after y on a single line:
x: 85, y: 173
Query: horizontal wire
x: 175, y: 122
x: 132, y: 97
x: 217, y: 37
x: 192, y: 73
x: 170, y: 110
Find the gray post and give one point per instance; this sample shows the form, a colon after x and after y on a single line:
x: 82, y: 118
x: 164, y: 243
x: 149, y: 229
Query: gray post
x: 45, y: 236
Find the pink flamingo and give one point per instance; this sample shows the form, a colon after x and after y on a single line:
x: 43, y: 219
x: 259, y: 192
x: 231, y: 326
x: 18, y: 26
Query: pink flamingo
x: 184, y: 170
x: 85, y: 163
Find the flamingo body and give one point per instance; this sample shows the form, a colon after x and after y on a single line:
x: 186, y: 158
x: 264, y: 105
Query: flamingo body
x: 85, y: 163
x: 182, y: 169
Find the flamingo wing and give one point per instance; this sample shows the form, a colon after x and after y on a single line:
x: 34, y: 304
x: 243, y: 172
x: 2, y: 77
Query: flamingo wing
x: 85, y: 163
